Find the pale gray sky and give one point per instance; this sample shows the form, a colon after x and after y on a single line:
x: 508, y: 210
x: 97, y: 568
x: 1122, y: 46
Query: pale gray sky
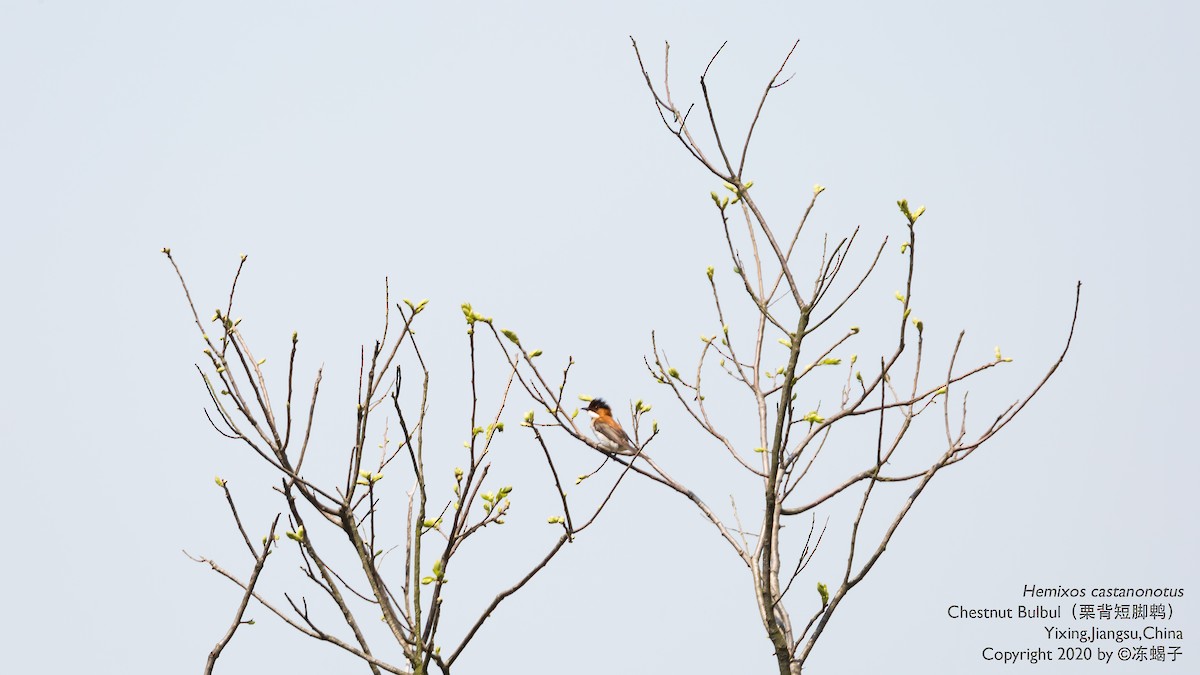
x: 510, y: 156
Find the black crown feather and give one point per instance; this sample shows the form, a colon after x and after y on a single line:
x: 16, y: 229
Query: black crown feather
x: 597, y: 404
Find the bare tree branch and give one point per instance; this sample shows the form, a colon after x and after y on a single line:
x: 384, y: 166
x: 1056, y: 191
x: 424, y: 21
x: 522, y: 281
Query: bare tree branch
x: 786, y: 461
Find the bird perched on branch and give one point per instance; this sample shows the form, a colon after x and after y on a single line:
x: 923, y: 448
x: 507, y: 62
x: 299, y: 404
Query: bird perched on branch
x: 608, y: 431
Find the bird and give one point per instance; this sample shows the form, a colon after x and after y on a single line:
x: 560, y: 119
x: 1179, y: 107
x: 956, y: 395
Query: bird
x: 608, y: 431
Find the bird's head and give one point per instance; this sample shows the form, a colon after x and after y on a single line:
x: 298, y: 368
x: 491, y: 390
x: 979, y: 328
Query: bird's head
x: 597, y: 407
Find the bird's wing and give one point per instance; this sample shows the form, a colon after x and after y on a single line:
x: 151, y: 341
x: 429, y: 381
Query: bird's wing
x: 617, y: 437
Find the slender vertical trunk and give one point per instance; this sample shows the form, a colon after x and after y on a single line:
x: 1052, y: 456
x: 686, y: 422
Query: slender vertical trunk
x: 775, y: 617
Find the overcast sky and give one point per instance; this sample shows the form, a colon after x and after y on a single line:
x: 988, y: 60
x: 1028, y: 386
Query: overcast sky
x: 510, y: 156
